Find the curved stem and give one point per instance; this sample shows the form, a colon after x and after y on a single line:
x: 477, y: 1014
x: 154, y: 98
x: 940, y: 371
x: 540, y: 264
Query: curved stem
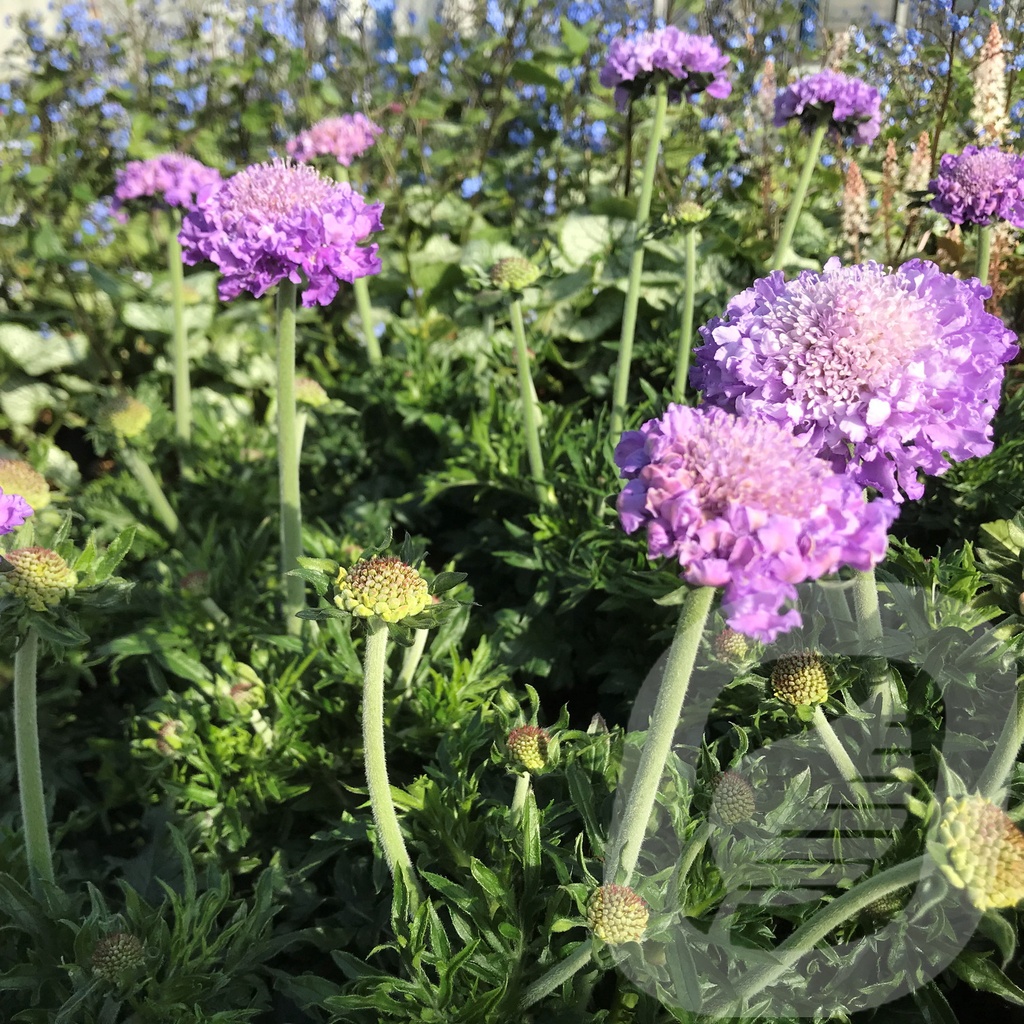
x: 686, y: 331
x: 531, y: 412
x: 984, y: 252
x: 161, y: 507
x: 389, y: 833
x: 519, y: 797
x: 840, y: 758
x: 693, y: 849
x: 179, y: 337
x: 1004, y: 757
x: 560, y: 973
x: 797, y: 202
x: 636, y: 267
x: 288, y: 456
x: 30, y: 773
x: 624, y: 850
x: 411, y: 660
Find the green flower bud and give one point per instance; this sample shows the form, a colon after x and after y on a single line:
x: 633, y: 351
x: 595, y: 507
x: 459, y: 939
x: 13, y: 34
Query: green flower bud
x: 117, y: 954
x: 126, y: 416
x: 885, y: 906
x: 310, y: 392
x: 529, y: 746
x: 800, y: 679
x: 247, y: 690
x: 733, y: 799
x: 616, y: 914
x: 18, y: 477
x: 730, y: 646
x: 684, y: 214
x: 514, y: 274
x: 385, y: 588
x: 41, y: 578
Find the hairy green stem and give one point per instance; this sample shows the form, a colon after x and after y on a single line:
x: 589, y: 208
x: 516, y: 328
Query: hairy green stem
x: 389, y: 833
x: 636, y: 268
x: 179, y: 336
x: 624, y: 850
x: 288, y: 457
x: 361, y: 290
x: 840, y: 758
x: 686, y: 329
x: 693, y: 850
x: 1004, y: 757
x: 531, y: 410
x: 158, y: 502
x: 411, y: 660
x: 797, y: 202
x: 984, y: 252
x: 519, y: 797
x: 30, y: 772
x: 869, y: 624
x: 813, y: 930
x: 558, y: 975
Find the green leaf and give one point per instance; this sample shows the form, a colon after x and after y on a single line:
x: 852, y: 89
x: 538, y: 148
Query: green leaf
x: 489, y: 882
x: 115, y: 554
x: 531, y: 73
x: 60, y: 633
x: 995, y: 927
x: 933, y: 1006
x: 37, y: 355
x: 445, y: 581
x: 575, y: 40
x: 980, y: 973
x: 46, y: 242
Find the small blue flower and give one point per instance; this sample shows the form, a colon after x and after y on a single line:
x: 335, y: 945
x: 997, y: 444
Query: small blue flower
x: 470, y: 186
x: 317, y: 72
x: 418, y: 66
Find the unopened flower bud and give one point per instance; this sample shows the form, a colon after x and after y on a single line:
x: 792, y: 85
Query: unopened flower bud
x: 800, y: 679
x: 310, y: 392
x: 41, y: 578
x: 529, y: 746
x: 616, y: 914
x: 18, y: 477
x: 855, y: 206
x: 514, y: 274
x: 126, y: 416
x: 685, y: 213
x: 385, y: 588
x: 729, y: 645
x: 247, y: 691
x: 920, y: 170
x: 733, y: 800
x: 117, y: 954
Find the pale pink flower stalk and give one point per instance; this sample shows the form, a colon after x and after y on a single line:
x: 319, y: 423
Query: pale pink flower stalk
x: 767, y: 91
x: 988, y: 108
x: 920, y: 170
x: 855, y: 209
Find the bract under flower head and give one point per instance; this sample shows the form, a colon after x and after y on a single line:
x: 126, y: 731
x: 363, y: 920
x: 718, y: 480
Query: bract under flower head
x: 741, y: 504
x: 344, y: 138
x: 172, y: 177
x: 980, y: 186
x: 689, y: 64
x: 277, y: 221
x: 882, y: 373
x: 852, y: 106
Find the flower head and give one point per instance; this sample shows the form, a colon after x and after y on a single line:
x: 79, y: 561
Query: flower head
x: 344, y: 138
x: 616, y: 914
x: 528, y: 745
x: 733, y: 799
x: 277, y: 221
x: 853, y: 107
x: 385, y: 588
x: 117, y: 954
x: 800, y: 679
x: 126, y: 416
x: 18, y: 477
x: 514, y: 274
x: 742, y: 504
x: 689, y: 64
x: 983, y: 852
x: 882, y: 373
x: 729, y: 645
x: 40, y: 578
x: 980, y: 186
x: 310, y: 392
x: 172, y: 177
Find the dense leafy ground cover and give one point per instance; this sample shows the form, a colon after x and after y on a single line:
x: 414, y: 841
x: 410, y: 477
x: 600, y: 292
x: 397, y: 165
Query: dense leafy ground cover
x: 205, y: 753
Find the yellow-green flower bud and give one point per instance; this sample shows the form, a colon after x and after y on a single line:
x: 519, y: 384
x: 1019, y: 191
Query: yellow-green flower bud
x: 126, y: 416
x: 514, y: 274
x: 984, y: 851
x: 684, y: 214
x: 247, y: 690
x: 41, y: 578
x: 117, y: 954
x: 310, y: 392
x: 800, y: 679
x: 385, y: 588
x: 18, y: 477
x: 885, y: 906
x: 529, y: 746
x: 733, y: 800
x: 730, y: 645
x: 616, y: 914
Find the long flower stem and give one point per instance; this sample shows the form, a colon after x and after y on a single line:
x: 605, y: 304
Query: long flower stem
x: 30, y: 773
x: 361, y: 290
x: 389, y: 833
x: 636, y: 267
x: 840, y: 758
x: 686, y: 329
x: 531, y: 412
x: 288, y: 456
x: 869, y: 623
x: 519, y: 797
x: 624, y: 850
x: 1004, y: 757
x: 984, y: 252
x: 814, y: 929
x: 179, y: 337
x: 797, y: 202
x: 560, y: 973
x: 411, y: 660
x: 158, y: 502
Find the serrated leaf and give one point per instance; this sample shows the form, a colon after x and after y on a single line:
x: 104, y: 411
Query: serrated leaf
x: 489, y: 882
x: 115, y: 554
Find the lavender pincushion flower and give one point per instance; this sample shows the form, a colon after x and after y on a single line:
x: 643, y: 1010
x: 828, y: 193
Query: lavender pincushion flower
x: 173, y: 177
x: 741, y: 504
x: 344, y: 138
x: 882, y: 373
x: 691, y: 65
x: 14, y: 510
x: 853, y: 106
x: 280, y: 220
x: 980, y: 186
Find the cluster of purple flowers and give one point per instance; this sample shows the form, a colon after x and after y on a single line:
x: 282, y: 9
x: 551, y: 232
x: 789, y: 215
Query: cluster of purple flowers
x: 853, y: 107
x: 980, y: 186
x: 690, y: 65
x: 344, y: 138
x: 174, y: 178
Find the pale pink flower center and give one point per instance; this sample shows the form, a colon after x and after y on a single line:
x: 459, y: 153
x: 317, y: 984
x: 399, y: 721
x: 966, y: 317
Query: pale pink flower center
x: 266, y: 192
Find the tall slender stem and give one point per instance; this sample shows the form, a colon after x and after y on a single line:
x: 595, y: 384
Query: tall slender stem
x: 624, y: 850
x: 389, y: 833
x: 179, y: 337
x: 531, y: 413
x: 411, y: 660
x: 559, y: 974
x: 519, y: 796
x: 636, y: 267
x: 869, y: 622
x: 361, y: 290
x: 30, y: 773
x: 161, y: 507
x: 797, y: 202
x: 288, y: 456
x: 686, y: 329
x: 984, y: 252
x: 840, y: 758
x: 1004, y: 757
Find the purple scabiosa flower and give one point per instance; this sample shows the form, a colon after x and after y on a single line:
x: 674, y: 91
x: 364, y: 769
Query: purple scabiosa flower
x: 282, y: 220
x: 172, y: 177
x: 344, y: 138
x: 980, y: 186
x: 690, y: 64
x: 882, y: 373
x: 742, y: 504
x: 853, y: 106
x: 14, y: 510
